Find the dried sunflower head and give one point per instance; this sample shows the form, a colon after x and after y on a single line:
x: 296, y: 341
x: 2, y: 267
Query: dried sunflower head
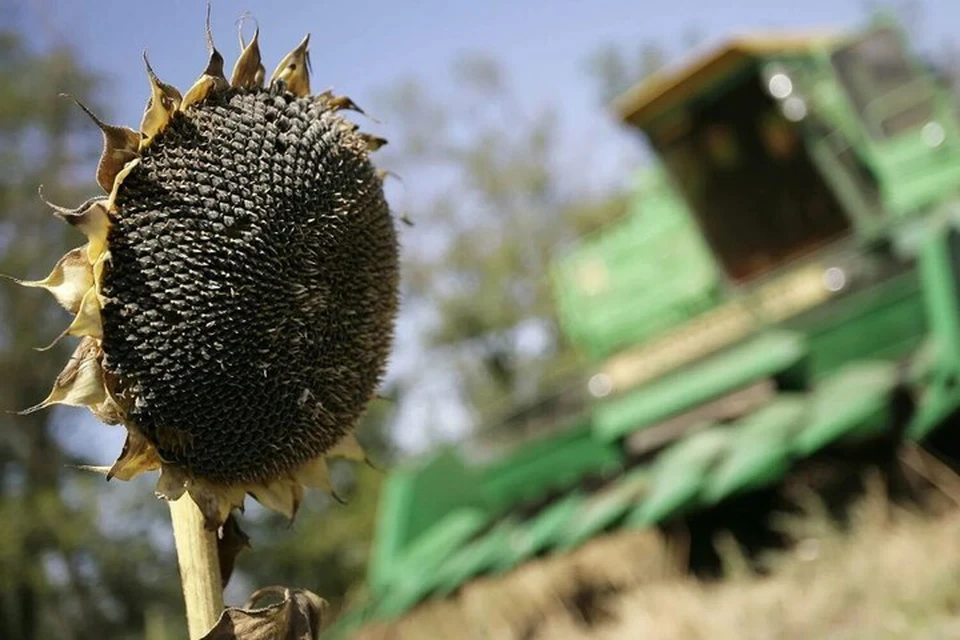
x: 236, y: 296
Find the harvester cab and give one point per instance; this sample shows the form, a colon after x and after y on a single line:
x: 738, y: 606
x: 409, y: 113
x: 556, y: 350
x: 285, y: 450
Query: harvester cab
x: 785, y: 282
x: 798, y: 174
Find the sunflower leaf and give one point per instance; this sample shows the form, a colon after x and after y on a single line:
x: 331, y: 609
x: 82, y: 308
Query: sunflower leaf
x: 298, y: 616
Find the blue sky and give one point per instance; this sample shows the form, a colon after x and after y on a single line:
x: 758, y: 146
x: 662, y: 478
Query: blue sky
x: 364, y: 46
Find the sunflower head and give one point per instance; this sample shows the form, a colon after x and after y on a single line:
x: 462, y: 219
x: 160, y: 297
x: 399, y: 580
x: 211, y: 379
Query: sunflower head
x: 236, y: 296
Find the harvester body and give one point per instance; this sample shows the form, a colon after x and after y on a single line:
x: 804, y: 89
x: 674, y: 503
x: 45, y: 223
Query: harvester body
x: 785, y: 282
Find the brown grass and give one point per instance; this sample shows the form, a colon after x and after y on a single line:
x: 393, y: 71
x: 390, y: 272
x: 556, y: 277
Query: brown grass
x: 895, y: 573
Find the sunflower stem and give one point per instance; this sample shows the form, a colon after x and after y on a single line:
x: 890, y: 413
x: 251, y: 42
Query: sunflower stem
x: 199, y: 566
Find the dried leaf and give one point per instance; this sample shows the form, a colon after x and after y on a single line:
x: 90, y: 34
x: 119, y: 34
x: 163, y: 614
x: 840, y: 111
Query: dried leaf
x: 298, y: 617
x: 231, y: 541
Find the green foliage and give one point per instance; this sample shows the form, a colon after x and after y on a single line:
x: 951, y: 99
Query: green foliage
x: 616, y: 70
x: 500, y: 205
x: 61, y: 574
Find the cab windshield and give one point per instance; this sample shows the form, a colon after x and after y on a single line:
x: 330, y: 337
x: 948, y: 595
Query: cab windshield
x: 886, y: 90
x: 748, y: 178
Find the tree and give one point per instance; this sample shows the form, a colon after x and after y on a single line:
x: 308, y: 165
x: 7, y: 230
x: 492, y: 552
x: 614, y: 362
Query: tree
x: 500, y: 206
x: 616, y: 70
x: 60, y: 573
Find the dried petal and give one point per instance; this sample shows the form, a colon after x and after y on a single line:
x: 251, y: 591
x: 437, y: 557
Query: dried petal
x: 249, y: 72
x: 98, y: 269
x: 171, y: 484
x: 339, y: 103
x: 91, y: 218
x: 294, y: 70
x: 109, y: 411
x: 137, y: 456
x: 349, y: 448
x: 111, y: 203
x: 215, y: 501
x: 279, y: 495
x: 69, y: 280
x: 212, y: 78
x: 315, y: 475
x: 120, y: 146
x: 80, y: 384
x: 231, y: 542
x: 87, y: 321
x: 163, y: 103
x: 372, y: 142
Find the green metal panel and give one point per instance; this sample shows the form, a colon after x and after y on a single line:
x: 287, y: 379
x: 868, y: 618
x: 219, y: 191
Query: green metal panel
x: 414, y: 500
x: 610, y: 290
x: 760, y: 450
x: 854, y: 400
x: 916, y: 176
x: 547, y: 464
x: 763, y: 356
x: 413, y: 575
x: 602, y: 510
x: 442, y: 485
x: 541, y: 532
x: 887, y: 321
x: 940, y: 272
x: 680, y: 474
x: 479, y: 556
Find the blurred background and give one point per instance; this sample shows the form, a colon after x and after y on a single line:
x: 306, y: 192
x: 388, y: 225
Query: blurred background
x: 507, y: 152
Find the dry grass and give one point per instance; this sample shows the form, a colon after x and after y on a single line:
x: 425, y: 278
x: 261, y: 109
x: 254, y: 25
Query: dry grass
x: 894, y: 574
x: 894, y: 577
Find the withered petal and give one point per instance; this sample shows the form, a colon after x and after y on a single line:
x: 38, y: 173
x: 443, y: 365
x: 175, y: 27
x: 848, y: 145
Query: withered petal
x: 69, y: 280
x: 80, y: 383
x: 163, y: 103
x: 349, y: 448
x: 120, y: 146
x: 215, y: 501
x: 249, y: 72
x: 212, y: 78
x: 138, y: 456
x: 294, y: 70
x: 279, y: 495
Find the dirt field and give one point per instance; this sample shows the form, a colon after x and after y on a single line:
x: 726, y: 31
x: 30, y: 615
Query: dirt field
x: 894, y: 573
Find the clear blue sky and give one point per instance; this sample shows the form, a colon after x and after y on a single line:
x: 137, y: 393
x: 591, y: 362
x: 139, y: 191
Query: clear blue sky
x: 364, y: 46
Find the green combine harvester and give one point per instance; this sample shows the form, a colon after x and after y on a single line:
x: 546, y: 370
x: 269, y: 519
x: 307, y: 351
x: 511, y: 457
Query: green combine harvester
x: 785, y: 287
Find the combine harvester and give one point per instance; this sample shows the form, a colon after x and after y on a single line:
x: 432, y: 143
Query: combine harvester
x: 785, y: 289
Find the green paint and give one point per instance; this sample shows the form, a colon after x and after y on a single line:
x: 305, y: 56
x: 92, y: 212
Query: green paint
x: 883, y: 159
